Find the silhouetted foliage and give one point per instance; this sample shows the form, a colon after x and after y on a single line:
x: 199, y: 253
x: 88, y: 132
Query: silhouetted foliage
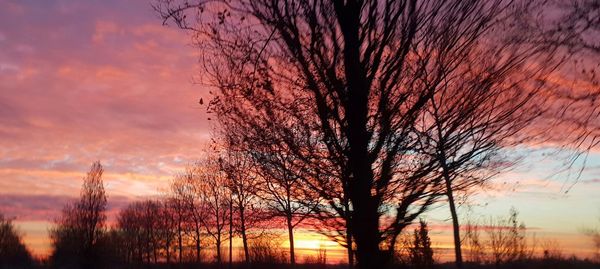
x: 421, y: 253
x: 13, y: 253
x: 145, y: 232
x: 266, y: 252
x: 594, y: 235
x: 505, y: 241
x: 77, y: 239
x: 243, y: 184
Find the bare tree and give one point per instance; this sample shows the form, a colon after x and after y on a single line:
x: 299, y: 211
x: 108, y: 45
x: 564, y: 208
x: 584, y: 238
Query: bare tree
x: 470, y: 120
x: 168, y: 227
x: 210, y: 185
x: 356, y: 77
x: 178, y: 201
x: 476, y: 247
x: 189, y: 204
x: 243, y: 184
x: 128, y: 223
x: 147, y: 232
x: 572, y: 29
x: 79, y: 230
x: 506, y: 239
x: 279, y: 185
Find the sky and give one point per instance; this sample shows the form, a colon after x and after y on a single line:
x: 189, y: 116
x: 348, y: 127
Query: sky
x: 82, y: 81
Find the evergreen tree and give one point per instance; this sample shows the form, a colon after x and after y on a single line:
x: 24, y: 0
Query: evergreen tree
x: 421, y: 253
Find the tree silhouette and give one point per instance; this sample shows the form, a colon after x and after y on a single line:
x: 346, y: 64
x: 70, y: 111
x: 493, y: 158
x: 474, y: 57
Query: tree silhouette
x: 243, y: 184
x: 190, y: 208
x: 357, y: 77
x: 77, y: 237
x: 147, y: 232
x: 13, y: 253
x: 279, y: 184
x: 214, y: 196
x: 421, y: 253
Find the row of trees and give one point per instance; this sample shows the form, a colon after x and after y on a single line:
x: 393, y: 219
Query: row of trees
x: 208, y: 204
x: 193, y: 219
x: 377, y: 110
x: 200, y: 214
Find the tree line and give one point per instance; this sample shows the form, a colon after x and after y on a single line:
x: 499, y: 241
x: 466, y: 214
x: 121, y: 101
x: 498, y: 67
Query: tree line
x: 189, y: 227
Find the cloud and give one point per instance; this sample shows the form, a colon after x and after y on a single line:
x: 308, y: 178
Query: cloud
x: 100, y: 81
x: 48, y: 207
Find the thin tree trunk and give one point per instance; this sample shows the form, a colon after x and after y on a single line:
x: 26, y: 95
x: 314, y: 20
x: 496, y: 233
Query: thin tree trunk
x: 167, y: 248
x: 180, y: 239
x: 154, y: 252
x: 291, y: 239
x: 244, y: 236
x: 455, y: 224
x: 230, y: 233
x: 456, y: 229
x: 350, y: 250
x: 197, y: 243
x: 219, y: 251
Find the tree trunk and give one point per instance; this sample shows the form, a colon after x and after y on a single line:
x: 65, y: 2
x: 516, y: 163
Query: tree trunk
x: 154, y: 252
x: 456, y: 229
x: 291, y: 239
x: 243, y: 232
x: 365, y: 217
x: 197, y: 243
x: 167, y: 248
x: 348, y: 233
x: 219, y: 260
x: 365, y: 228
x: 349, y: 249
x: 455, y: 224
x: 180, y: 239
x: 230, y: 233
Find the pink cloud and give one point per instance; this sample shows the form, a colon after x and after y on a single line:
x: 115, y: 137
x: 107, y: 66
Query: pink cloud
x: 48, y: 207
x: 95, y: 84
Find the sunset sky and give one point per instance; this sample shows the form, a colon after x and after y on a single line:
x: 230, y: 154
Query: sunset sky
x: 82, y: 81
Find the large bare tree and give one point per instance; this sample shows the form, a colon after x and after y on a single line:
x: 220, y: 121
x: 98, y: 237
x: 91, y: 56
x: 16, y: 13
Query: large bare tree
x: 358, y: 77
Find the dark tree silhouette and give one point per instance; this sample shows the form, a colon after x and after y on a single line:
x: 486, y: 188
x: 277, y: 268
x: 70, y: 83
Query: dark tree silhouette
x: 421, y: 253
x: 13, y: 253
x: 470, y: 120
x: 357, y: 78
x: 77, y: 237
x: 210, y: 185
x: 279, y: 184
x: 189, y: 208
x: 168, y: 228
x: 147, y: 232
x: 243, y: 185
x: 179, y: 200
